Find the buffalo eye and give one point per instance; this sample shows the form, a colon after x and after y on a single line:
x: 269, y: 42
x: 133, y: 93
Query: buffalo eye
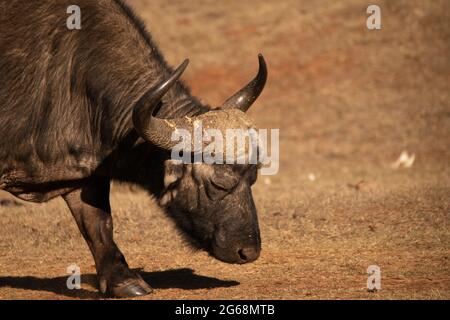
x: 224, y: 184
x: 220, y: 184
x: 224, y: 178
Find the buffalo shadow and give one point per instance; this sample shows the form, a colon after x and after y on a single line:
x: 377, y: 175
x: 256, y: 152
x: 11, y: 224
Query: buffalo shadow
x: 183, y: 278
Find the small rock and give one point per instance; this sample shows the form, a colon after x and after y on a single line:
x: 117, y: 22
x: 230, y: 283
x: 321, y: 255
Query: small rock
x: 405, y: 160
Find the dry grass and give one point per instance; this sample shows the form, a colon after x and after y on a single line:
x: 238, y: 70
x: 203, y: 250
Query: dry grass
x: 348, y: 101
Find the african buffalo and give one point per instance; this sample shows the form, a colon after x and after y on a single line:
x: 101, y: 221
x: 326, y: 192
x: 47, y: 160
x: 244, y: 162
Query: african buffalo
x: 79, y: 108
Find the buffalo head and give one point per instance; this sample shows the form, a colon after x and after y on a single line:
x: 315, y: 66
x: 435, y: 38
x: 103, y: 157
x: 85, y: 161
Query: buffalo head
x: 211, y: 203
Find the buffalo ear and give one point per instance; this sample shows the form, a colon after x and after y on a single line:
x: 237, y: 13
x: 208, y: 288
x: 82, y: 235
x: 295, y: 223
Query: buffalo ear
x: 173, y: 171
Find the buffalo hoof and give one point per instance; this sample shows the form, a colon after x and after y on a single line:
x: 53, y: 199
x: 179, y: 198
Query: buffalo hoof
x: 131, y: 288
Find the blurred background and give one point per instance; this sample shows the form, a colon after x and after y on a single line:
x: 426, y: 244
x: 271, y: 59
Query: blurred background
x: 348, y: 101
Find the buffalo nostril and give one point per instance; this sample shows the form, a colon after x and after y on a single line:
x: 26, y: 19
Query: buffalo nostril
x: 248, y: 254
x: 242, y: 255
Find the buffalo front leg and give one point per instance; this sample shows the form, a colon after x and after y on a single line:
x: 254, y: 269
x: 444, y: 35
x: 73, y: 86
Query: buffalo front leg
x: 91, y: 209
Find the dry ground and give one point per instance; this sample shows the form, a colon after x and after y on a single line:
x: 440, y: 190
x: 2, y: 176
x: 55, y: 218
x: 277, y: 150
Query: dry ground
x: 348, y: 102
